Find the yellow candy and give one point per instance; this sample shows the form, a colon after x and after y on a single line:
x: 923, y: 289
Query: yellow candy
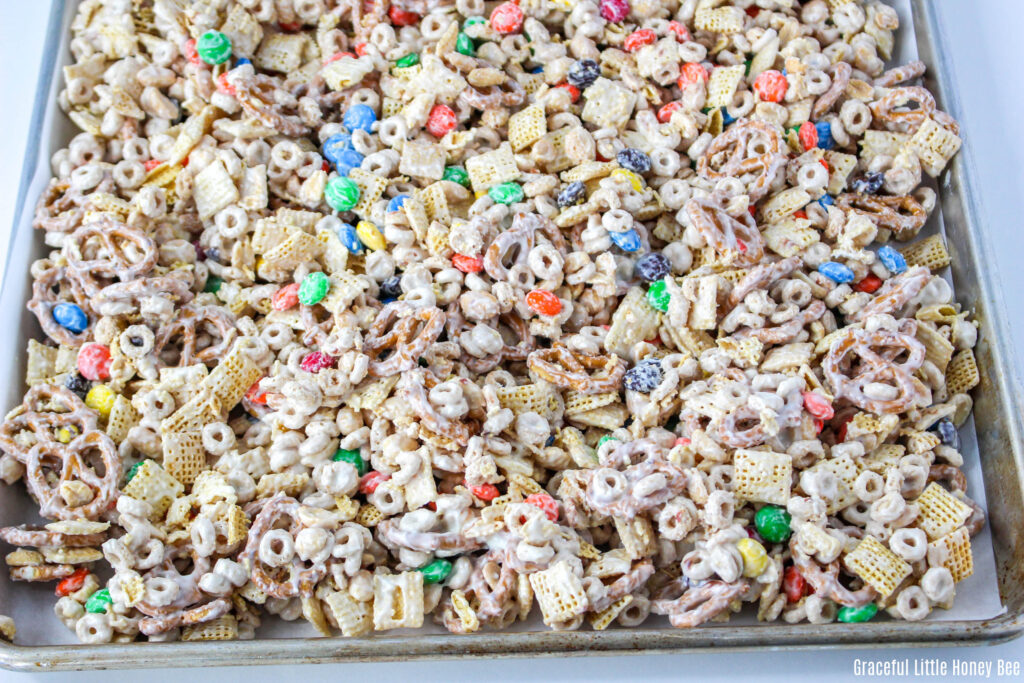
x: 259, y: 262
x: 633, y: 178
x: 755, y: 557
x: 101, y: 399
x: 65, y: 434
x: 370, y: 236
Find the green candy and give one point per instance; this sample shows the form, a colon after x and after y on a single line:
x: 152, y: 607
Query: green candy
x: 436, y: 572
x: 658, y: 296
x: 464, y: 45
x: 342, y: 194
x: 473, y: 21
x: 456, y: 175
x: 772, y: 523
x: 214, y: 47
x: 213, y: 284
x: 352, y: 458
x: 313, y: 288
x: 411, y: 59
x: 856, y: 615
x: 605, y: 439
x: 98, y: 601
x: 133, y: 471
x: 506, y: 193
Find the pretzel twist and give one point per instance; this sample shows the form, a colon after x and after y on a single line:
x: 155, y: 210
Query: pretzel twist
x: 568, y: 369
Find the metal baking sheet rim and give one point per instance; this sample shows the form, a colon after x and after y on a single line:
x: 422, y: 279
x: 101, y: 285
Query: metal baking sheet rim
x: 1000, y: 436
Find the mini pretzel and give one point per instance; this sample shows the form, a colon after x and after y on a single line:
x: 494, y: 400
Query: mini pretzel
x: 762, y: 277
x: 408, y: 338
x: 903, y: 215
x: 568, y: 369
x: 492, y: 582
x: 39, y: 537
x: 633, y: 453
x: 294, y: 580
x: 698, y: 604
x: 895, y: 110
x: 104, y: 250
x: 60, y: 208
x: 212, y: 326
x: 516, y: 242
x: 736, y: 240
x: 519, y: 352
x: 69, y: 463
x: 415, y: 394
x: 950, y: 475
x: 826, y: 582
x: 871, y: 357
x: 318, y: 323
x: 188, y: 617
x: 125, y: 298
x: 625, y: 585
x: 748, y: 150
x: 840, y: 72
x: 46, y: 409
x: 177, y: 559
x: 424, y: 541
x: 52, y: 287
x: 257, y: 95
x: 630, y: 504
x: 786, y: 332
x: 900, y: 74
x: 894, y: 294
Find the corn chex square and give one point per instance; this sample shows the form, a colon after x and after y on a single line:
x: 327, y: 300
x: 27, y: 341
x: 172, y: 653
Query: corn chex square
x: 492, y: 168
x: 214, y: 190
x: 397, y: 601
x: 941, y: 512
x: 877, y: 566
x: 845, y: 472
x: 934, y: 146
x: 371, y: 188
x: 526, y: 127
x: 762, y: 476
x: 953, y: 551
x: 559, y: 592
x: 633, y: 321
x: 153, y: 485
x: 722, y: 85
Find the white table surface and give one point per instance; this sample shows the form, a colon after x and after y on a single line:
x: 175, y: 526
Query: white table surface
x: 985, y: 40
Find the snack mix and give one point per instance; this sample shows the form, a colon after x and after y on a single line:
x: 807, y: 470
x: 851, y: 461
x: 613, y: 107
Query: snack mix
x: 378, y: 313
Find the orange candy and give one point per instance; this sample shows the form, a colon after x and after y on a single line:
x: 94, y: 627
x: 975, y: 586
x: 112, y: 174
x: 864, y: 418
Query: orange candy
x: 544, y: 302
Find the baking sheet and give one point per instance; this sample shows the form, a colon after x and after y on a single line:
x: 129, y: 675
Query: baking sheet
x: 31, y: 605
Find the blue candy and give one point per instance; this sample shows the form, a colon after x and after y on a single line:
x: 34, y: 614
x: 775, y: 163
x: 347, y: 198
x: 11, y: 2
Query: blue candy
x: 347, y: 235
x: 70, y: 317
x: 837, y: 272
x: 347, y: 160
x: 537, y: 70
x: 397, y: 203
x: 892, y: 260
x: 626, y: 241
x: 359, y: 117
x: 825, y: 140
x: 335, y: 145
x: 243, y: 61
x: 726, y: 119
x: 826, y: 200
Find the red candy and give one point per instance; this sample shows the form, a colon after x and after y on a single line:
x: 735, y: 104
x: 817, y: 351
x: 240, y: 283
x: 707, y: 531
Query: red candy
x: 316, y: 361
x: 255, y: 395
x: 70, y: 584
x: 637, y: 39
x: 794, y: 584
x: 400, y: 17
x: 151, y: 164
x: 666, y: 112
x: 869, y: 284
x: 546, y: 503
x: 681, y: 441
x: 771, y: 85
x: 808, y: 135
x: 692, y: 72
x: 574, y: 92
x: 361, y: 49
x: 370, y: 481
x: 191, y: 53
x: 507, y: 18
x: 544, y: 302
x: 682, y: 33
x: 485, y: 492
x: 224, y: 86
x: 824, y: 163
x: 94, y: 361
x: 290, y: 26
x: 441, y: 121
x: 286, y: 297
x: 841, y: 434
x: 816, y: 405
x: 614, y: 10
x: 468, y: 264
x: 800, y: 214
x: 338, y: 55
